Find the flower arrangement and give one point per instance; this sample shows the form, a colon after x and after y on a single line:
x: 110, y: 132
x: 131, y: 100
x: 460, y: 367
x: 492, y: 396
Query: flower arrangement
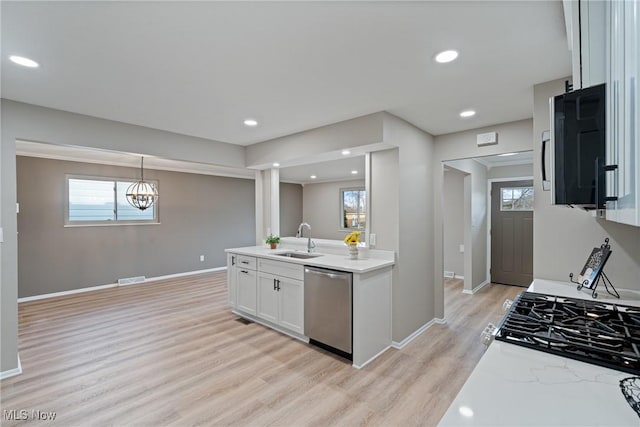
x: 272, y: 240
x: 353, y: 238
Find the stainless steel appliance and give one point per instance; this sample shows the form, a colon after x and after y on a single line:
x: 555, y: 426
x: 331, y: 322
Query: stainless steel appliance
x: 578, y: 149
x: 601, y: 333
x: 328, y: 308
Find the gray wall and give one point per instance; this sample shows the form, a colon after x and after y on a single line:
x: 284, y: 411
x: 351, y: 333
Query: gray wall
x: 33, y: 123
x: 290, y: 208
x: 321, y: 208
x: 413, y: 292
x: 510, y: 171
x: 564, y: 237
x: 199, y: 215
x: 512, y: 137
x: 453, y: 205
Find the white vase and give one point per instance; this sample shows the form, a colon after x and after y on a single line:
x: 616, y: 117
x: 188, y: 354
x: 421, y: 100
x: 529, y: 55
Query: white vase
x: 353, y: 252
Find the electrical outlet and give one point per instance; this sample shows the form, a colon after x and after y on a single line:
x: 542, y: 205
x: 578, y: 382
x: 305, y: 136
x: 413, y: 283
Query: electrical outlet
x: 461, y: 249
x: 201, y: 258
x: 372, y: 239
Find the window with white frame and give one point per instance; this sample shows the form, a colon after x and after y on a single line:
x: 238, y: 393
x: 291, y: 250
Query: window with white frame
x: 516, y: 199
x: 353, y: 208
x: 101, y: 200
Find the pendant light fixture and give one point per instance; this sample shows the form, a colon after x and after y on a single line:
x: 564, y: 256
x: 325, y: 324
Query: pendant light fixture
x: 141, y: 194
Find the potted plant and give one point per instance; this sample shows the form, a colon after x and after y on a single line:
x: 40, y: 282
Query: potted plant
x: 352, y: 239
x: 273, y: 241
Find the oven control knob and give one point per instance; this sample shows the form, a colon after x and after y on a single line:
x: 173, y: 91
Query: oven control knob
x: 487, y: 334
x: 507, y: 304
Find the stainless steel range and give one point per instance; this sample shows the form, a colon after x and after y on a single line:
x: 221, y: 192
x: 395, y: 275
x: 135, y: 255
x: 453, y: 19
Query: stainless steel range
x: 604, y: 334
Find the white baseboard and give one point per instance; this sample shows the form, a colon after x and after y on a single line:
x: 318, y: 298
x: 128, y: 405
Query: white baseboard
x: 187, y: 273
x: 400, y: 345
x: 372, y: 358
x: 70, y: 292
x: 458, y: 277
x: 115, y: 285
x: 12, y: 372
x: 477, y: 288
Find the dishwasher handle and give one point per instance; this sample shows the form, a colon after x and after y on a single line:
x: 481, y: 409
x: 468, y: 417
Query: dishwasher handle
x: 325, y: 273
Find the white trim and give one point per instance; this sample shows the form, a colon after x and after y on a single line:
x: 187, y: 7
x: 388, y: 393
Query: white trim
x: 115, y: 285
x: 186, y: 273
x: 477, y: 288
x: 457, y: 276
x: 402, y: 344
x: 372, y: 358
x: 69, y: 292
x: 490, y: 181
x: 12, y: 372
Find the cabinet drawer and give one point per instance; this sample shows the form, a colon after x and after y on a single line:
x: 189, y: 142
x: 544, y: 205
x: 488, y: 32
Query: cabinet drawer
x: 246, y: 262
x: 279, y: 268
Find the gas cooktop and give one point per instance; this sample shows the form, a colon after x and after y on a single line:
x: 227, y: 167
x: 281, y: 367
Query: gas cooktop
x: 604, y: 334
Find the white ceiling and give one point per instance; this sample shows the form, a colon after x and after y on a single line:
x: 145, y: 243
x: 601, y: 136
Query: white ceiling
x: 201, y: 68
x: 329, y: 171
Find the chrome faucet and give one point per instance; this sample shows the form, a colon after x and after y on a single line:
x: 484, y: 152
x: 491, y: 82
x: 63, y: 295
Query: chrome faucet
x: 310, y: 244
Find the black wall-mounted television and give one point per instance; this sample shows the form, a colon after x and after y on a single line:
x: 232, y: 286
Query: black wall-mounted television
x: 578, y: 132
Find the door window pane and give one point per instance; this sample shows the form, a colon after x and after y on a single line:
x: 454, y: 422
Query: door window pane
x: 516, y: 199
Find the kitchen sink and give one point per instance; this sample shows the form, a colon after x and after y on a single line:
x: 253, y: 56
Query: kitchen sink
x: 301, y: 255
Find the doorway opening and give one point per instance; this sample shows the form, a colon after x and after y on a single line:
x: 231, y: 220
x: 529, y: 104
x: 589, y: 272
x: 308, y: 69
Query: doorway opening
x: 469, y: 248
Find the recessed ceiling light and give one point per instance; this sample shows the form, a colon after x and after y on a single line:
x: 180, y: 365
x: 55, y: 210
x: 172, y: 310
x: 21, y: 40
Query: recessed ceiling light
x: 468, y: 113
x: 346, y: 152
x: 313, y: 177
x: 250, y: 122
x: 465, y: 411
x: 354, y: 172
x: 446, y: 56
x: 25, y: 62
x: 276, y: 165
x: 507, y: 154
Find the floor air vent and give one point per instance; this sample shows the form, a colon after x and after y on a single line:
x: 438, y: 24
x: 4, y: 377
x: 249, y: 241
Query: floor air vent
x: 244, y: 321
x: 131, y: 280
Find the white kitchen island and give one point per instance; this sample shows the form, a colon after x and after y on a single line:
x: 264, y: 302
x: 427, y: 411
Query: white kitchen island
x: 517, y: 386
x: 251, y: 272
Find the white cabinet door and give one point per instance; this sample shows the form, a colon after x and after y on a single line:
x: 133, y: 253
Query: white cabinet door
x: 246, y: 290
x: 291, y: 295
x: 281, y: 301
x: 267, y: 297
x: 231, y: 279
x: 623, y: 110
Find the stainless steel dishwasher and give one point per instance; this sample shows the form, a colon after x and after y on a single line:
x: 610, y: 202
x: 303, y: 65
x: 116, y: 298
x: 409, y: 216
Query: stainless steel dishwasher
x: 328, y: 308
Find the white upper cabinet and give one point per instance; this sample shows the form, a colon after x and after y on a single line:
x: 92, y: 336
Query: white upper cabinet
x: 623, y: 110
x: 586, y: 23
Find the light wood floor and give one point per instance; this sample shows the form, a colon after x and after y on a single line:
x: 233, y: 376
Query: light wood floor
x: 172, y: 353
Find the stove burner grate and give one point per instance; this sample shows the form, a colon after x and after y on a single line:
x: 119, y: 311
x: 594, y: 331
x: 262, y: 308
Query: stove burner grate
x: 594, y: 332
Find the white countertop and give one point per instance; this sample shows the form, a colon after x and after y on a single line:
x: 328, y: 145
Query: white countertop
x: 334, y: 261
x: 517, y: 386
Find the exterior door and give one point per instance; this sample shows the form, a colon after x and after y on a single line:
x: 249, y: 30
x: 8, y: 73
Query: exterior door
x: 512, y: 232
